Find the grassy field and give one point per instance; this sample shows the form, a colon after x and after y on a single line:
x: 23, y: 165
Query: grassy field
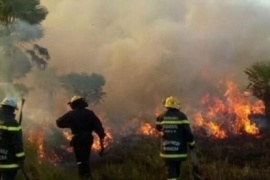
x: 136, y: 157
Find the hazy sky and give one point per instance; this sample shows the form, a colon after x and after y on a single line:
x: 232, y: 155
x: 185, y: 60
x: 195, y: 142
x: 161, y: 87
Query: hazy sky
x: 147, y: 50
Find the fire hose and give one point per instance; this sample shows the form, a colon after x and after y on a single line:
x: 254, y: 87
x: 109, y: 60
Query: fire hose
x: 20, y: 122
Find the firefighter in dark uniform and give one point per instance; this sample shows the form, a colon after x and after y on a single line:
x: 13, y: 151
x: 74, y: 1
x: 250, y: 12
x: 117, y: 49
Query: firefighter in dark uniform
x: 82, y: 123
x: 11, y: 143
x: 176, y: 136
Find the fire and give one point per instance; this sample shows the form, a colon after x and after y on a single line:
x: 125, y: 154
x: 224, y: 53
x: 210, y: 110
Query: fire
x: 211, y: 127
x: 96, y: 146
x: 138, y: 125
x: 229, y: 114
x: 109, y: 137
x: 37, y: 136
x: 107, y: 140
x: 67, y: 135
x: 218, y: 116
x: 146, y: 129
x: 53, y: 144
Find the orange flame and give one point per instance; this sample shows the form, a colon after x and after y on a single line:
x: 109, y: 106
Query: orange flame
x: 228, y: 114
x: 146, y: 129
x: 107, y: 140
x: 212, y: 128
x: 37, y: 136
x: 96, y: 146
x: 67, y: 135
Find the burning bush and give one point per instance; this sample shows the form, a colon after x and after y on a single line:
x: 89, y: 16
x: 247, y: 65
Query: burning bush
x: 227, y: 115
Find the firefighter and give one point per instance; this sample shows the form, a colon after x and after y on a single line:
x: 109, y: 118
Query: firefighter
x: 176, y: 137
x: 82, y: 123
x: 11, y: 144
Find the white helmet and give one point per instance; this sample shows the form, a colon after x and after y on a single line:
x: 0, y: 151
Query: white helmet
x: 10, y: 101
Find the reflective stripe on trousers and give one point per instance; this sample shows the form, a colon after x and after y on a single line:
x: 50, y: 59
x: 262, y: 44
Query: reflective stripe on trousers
x: 173, y: 155
x: 8, y: 166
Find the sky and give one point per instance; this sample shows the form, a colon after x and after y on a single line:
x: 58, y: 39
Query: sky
x: 148, y: 50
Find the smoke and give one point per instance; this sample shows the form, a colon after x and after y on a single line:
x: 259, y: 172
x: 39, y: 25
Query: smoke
x: 147, y: 50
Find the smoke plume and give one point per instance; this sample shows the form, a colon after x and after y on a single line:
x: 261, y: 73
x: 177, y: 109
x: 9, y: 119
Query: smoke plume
x: 147, y: 50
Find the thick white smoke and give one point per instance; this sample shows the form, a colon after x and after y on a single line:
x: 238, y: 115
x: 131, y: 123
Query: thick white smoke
x: 148, y: 50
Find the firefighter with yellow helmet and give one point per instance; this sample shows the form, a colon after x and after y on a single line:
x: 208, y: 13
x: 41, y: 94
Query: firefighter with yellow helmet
x: 11, y: 143
x: 176, y: 137
x: 82, y: 122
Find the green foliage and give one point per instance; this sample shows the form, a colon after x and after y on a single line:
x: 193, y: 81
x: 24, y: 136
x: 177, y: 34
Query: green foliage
x: 39, y: 55
x: 259, y: 77
x: 85, y: 85
x: 19, y: 28
x: 27, y: 10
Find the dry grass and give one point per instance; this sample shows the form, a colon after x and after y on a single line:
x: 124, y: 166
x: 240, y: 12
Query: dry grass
x: 136, y: 157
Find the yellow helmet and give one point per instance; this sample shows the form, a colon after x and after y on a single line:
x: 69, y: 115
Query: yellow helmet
x: 172, y: 102
x: 74, y: 98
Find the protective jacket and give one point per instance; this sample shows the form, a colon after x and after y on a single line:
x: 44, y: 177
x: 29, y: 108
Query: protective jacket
x: 176, y: 134
x: 82, y: 123
x: 11, y: 143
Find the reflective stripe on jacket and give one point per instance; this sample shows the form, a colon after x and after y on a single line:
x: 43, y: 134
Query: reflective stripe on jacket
x: 11, y: 145
x: 177, y: 134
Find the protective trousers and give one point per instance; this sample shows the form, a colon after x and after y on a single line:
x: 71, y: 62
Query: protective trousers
x: 8, y: 174
x: 82, y: 149
x: 173, y: 169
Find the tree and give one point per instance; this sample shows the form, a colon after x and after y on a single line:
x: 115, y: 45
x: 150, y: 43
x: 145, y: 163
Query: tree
x: 19, y: 29
x: 85, y: 85
x: 259, y: 86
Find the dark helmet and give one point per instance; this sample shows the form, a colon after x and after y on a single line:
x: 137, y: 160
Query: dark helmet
x: 77, y: 101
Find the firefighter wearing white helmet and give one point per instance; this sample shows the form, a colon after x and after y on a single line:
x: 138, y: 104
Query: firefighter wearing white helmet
x: 82, y: 122
x: 10, y: 101
x: 176, y: 137
x: 11, y: 144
